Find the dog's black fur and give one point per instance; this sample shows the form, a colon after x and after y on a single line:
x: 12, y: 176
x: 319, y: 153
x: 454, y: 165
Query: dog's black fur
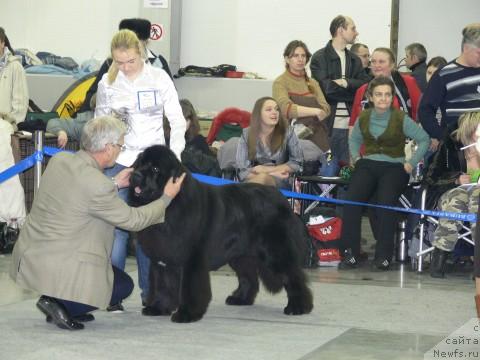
x: 251, y: 227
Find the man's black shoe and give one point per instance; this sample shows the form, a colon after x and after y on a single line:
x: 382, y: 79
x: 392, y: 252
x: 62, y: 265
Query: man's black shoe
x: 349, y: 262
x: 116, y: 308
x: 79, y: 318
x: 50, y: 307
x: 381, y: 264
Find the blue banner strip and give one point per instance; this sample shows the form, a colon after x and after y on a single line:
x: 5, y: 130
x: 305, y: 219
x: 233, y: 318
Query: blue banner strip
x: 38, y: 157
x: 18, y: 168
x: 291, y: 194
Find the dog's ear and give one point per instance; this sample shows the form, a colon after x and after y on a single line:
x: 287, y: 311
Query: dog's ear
x: 177, y: 171
x: 137, y: 161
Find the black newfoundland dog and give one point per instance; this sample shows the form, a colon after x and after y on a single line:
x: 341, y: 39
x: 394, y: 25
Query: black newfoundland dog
x: 251, y: 227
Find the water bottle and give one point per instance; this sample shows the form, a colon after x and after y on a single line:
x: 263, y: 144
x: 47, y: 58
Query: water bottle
x: 418, y: 171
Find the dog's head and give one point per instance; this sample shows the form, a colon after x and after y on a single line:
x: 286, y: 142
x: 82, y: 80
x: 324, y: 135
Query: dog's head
x: 152, y: 169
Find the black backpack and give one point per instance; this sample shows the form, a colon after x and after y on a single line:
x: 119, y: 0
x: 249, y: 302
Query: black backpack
x: 214, y: 71
x: 8, y: 237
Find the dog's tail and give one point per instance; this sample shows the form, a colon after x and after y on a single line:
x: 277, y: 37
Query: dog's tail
x: 272, y: 282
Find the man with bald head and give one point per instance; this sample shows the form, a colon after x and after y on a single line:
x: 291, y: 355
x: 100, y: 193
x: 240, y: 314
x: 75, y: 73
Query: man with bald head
x: 340, y: 73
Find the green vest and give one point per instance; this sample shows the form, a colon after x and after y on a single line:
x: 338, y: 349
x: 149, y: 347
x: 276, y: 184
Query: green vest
x: 391, y: 142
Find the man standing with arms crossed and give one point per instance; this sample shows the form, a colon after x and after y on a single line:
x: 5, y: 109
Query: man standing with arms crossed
x: 340, y: 73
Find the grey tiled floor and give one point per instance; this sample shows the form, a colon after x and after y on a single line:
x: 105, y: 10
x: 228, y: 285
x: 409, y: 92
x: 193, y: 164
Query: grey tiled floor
x: 359, y: 314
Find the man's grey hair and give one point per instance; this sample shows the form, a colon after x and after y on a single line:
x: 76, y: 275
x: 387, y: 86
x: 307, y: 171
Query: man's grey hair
x: 471, y: 35
x: 418, y: 50
x: 100, y: 131
x: 357, y: 46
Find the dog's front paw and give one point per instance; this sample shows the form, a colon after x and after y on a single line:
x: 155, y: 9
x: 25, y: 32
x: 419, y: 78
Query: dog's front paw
x: 152, y: 311
x: 184, y: 316
x: 233, y: 300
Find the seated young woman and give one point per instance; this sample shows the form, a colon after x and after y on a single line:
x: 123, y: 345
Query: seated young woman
x: 268, y: 150
x: 382, y: 172
x: 196, y: 156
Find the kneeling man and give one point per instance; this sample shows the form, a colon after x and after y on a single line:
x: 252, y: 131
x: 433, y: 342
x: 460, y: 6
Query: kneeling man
x: 64, y: 248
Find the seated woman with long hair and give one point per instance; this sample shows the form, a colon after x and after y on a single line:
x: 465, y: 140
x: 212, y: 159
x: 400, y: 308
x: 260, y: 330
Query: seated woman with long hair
x: 268, y: 150
x: 196, y: 156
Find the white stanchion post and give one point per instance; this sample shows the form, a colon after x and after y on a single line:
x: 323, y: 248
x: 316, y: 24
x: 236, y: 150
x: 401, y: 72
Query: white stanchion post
x: 422, y: 232
x: 38, y: 164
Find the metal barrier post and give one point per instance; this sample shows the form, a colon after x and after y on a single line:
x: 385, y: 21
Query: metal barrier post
x: 422, y: 232
x: 401, y: 255
x: 38, y: 164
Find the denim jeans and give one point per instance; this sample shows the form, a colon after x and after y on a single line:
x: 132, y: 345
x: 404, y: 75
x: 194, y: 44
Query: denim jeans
x: 120, y: 243
x: 122, y: 288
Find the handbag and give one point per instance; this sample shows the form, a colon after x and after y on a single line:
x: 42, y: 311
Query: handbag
x: 8, y: 236
x: 326, y: 238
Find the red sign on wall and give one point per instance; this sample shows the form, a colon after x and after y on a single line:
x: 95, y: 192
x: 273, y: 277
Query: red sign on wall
x: 156, y: 32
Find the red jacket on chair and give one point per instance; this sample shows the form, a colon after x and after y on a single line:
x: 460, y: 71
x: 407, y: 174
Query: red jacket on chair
x: 228, y: 116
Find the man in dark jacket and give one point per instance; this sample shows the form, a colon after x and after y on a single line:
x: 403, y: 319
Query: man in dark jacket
x: 416, y: 61
x: 340, y: 73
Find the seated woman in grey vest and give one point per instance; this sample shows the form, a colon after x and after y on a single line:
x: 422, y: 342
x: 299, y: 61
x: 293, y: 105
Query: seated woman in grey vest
x: 381, y: 170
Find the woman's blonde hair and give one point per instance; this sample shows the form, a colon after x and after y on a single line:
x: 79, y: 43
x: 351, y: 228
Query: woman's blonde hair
x: 123, y: 40
x: 467, y: 126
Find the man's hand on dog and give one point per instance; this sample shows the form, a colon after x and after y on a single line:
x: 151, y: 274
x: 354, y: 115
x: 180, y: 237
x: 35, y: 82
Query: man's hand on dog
x: 173, y: 186
x: 122, y: 179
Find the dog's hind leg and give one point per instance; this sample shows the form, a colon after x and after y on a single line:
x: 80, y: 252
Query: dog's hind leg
x: 281, y: 267
x: 245, y: 268
x: 195, y: 293
x: 300, y: 299
x: 163, y: 294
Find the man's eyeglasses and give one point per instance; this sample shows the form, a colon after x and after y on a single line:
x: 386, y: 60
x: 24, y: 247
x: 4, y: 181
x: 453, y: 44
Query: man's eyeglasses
x: 122, y: 147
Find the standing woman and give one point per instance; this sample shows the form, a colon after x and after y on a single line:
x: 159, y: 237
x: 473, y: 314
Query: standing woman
x: 13, y: 84
x: 300, y: 97
x: 13, y: 108
x: 139, y: 94
x: 406, y: 94
x: 381, y: 172
x: 268, y: 150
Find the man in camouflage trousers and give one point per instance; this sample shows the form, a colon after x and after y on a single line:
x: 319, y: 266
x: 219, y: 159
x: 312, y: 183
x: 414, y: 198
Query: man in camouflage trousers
x: 463, y: 199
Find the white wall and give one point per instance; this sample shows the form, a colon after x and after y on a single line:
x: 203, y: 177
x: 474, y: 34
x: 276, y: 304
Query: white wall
x: 436, y: 24
x: 80, y: 29
x: 252, y: 34
x: 248, y: 33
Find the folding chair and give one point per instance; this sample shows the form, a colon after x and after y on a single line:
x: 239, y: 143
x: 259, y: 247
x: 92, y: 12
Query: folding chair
x: 417, y: 262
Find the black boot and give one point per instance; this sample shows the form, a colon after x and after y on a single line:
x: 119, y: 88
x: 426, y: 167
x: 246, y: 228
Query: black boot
x: 437, y: 264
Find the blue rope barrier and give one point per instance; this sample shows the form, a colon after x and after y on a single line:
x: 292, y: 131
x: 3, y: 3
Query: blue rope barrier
x: 50, y: 151
x: 18, y: 168
x: 38, y: 156
x: 300, y: 196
